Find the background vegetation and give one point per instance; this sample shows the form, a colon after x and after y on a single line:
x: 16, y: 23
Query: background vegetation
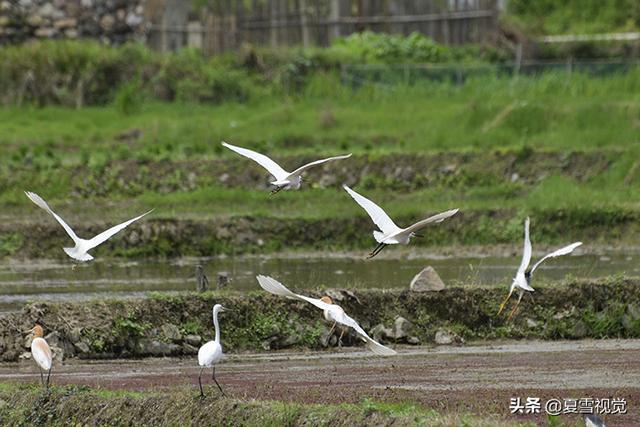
x: 89, y: 127
x: 575, y: 16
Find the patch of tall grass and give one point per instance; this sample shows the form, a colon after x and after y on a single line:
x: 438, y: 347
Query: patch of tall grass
x: 80, y: 73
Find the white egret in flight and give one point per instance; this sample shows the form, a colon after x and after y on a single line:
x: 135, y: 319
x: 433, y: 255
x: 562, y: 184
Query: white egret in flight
x: 79, y: 252
x: 41, y: 353
x: 522, y: 281
x: 283, y: 179
x: 332, y: 313
x: 211, y: 352
x: 390, y: 233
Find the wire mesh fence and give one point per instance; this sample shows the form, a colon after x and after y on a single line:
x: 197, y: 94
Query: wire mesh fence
x: 408, y: 74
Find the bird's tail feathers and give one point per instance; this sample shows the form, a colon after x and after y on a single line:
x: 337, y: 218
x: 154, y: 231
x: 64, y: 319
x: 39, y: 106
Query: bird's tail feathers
x: 75, y: 254
x: 527, y: 287
x: 379, y: 349
x: 379, y: 236
x: 271, y: 285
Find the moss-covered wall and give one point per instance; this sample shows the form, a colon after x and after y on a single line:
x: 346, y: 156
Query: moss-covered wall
x: 177, y: 325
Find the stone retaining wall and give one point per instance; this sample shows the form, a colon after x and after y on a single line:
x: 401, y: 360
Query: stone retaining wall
x: 111, y: 21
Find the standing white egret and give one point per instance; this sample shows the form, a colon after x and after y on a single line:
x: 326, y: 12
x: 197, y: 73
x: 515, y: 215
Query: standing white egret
x: 522, y: 281
x: 79, y: 252
x: 283, y: 179
x: 332, y: 313
x: 390, y: 233
x: 211, y: 352
x: 41, y: 353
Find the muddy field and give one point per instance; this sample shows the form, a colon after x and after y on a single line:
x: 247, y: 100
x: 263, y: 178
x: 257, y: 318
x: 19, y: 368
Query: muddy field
x: 479, y: 379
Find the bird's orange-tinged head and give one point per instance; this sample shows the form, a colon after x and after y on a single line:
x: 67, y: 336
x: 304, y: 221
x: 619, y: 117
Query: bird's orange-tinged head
x: 36, y: 331
x: 326, y: 299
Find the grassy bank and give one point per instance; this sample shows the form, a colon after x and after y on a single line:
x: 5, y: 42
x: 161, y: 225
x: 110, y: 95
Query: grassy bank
x: 575, y: 16
x: 24, y: 405
x: 552, y: 111
x: 557, y: 147
x: 503, y: 147
x: 263, y: 233
x: 166, y: 325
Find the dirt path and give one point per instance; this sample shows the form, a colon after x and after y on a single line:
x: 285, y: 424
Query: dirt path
x: 479, y: 378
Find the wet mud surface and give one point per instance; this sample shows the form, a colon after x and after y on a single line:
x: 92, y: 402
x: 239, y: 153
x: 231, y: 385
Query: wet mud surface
x: 479, y: 379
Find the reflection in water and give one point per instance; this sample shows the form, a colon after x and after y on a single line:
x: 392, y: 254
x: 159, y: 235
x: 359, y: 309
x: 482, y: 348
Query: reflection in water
x: 49, y: 280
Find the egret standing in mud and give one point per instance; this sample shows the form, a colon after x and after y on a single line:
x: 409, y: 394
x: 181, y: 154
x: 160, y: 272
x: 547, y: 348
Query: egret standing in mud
x: 283, y: 179
x: 41, y: 353
x: 79, y: 252
x: 211, y: 352
x: 522, y: 281
x: 390, y: 233
x: 332, y: 312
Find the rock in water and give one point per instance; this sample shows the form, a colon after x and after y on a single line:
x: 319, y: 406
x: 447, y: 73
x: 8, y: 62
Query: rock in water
x: 427, y: 280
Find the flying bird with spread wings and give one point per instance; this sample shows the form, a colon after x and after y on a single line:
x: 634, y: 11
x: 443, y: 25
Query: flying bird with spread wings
x: 390, y: 233
x: 283, y: 179
x: 332, y: 313
x: 522, y: 281
x: 80, y: 251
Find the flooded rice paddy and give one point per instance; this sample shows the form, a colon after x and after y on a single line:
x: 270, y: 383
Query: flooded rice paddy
x: 31, y: 280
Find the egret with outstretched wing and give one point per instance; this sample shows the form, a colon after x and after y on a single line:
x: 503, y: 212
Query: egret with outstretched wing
x: 332, y: 313
x: 82, y: 246
x: 390, y: 233
x: 522, y: 281
x: 283, y: 179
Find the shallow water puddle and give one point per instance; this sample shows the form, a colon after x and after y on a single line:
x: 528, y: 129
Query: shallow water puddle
x: 30, y: 280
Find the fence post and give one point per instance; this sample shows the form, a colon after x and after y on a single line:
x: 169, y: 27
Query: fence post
x: 570, y: 65
x: 273, y: 31
x: 304, y: 23
x: 334, y: 16
x: 445, y: 26
x: 518, y: 63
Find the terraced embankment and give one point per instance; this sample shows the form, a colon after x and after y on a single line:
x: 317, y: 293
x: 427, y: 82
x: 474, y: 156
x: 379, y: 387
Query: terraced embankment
x: 210, y: 207
x: 162, y: 325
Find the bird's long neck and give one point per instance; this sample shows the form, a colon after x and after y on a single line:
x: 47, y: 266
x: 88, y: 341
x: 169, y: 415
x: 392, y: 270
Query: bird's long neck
x: 215, y: 324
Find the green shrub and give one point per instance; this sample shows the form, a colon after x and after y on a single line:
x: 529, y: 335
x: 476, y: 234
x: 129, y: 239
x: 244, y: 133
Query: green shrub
x: 370, y: 47
x: 79, y: 73
x: 129, y: 97
x: 72, y: 73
